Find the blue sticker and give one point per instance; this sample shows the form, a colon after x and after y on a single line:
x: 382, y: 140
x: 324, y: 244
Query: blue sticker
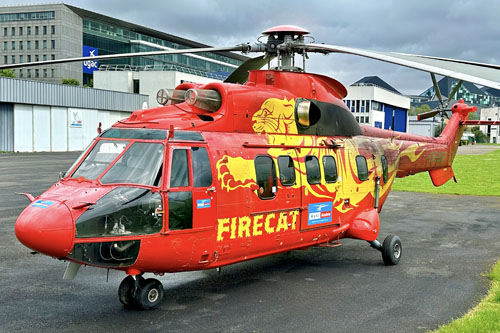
x: 42, y: 203
x: 203, y: 203
x: 320, y: 213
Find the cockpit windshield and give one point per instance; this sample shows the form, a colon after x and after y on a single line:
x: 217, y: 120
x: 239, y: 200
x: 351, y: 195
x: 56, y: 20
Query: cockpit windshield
x: 141, y: 163
x: 103, y: 153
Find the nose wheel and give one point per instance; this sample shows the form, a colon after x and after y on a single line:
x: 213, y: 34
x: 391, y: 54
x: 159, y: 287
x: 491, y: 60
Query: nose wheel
x: 139, y: 293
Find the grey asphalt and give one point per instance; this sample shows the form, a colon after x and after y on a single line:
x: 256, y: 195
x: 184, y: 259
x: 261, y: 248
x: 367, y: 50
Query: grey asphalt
x: 448, y: 243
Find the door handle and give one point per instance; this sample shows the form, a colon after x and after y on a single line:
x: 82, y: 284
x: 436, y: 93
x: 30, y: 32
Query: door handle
x: 210, y: 189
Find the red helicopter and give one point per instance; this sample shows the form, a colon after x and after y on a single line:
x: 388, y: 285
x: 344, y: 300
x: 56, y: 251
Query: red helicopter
x: 226, y: 172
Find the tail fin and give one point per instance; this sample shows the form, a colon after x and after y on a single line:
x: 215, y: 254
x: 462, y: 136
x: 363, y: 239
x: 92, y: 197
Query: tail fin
x: 451, y: 136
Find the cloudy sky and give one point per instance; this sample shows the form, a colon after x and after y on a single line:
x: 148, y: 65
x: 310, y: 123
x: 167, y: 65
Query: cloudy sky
x: 461, y: 29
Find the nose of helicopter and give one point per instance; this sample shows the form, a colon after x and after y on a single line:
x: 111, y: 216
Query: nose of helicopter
x: 46, y: 226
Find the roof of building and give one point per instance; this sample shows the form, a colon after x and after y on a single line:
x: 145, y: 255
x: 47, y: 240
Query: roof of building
x: 492, y: 91
x: 445, y: 87
x: 147, y: 31
x: 375, y: 80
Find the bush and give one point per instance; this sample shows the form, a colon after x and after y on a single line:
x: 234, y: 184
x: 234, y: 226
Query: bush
x: 71, y: 82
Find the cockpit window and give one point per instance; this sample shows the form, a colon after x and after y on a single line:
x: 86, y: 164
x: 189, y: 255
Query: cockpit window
x: 140, y: 164
x: 103, y: 153
x: 136, y: 133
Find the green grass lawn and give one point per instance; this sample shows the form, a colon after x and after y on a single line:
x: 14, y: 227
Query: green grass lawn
x: 476, y: 175
x: 486, y: 316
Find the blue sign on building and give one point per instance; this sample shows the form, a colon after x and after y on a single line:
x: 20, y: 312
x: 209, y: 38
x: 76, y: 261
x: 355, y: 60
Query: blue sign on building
x: 89, y: 66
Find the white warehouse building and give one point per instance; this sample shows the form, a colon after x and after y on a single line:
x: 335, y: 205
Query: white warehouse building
x: 40, y: 116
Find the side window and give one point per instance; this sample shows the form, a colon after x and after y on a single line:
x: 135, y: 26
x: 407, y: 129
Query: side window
x: 266, y: 177
x: 287, y: 170
x: 385, y: 168
x: 330, y: 168
x: 362, y: 167
x: 180, y: 210
x: 312, y: 170
x: 202, y: 174
x: 179, y: 175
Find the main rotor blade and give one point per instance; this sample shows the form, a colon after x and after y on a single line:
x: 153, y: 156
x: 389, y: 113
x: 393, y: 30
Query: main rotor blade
x: 425, y: 115
x: 242, y: 48
x: 240, y: 74
x: 483, y: 74
x: 436, y: 88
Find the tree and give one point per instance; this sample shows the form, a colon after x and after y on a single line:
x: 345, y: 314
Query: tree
x: 71, y: 82
x: 7, y: 73
x: 419, y: 109
x: 479, y: 135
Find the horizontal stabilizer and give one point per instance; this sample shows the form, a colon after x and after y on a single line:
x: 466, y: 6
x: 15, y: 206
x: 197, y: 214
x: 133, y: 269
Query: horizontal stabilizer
x: 441, y: 176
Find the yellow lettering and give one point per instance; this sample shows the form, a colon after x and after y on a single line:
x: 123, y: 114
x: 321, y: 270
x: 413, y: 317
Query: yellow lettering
x: 233, y: 227
x: 244, y: 226
x: 257, y: 225
x: 282, y: 223
x: 222, y: 228
x: 267, y: 225
x: 294, y: 214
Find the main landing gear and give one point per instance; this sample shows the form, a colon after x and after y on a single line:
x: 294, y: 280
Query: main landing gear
x: 391, y: 249
x: 139, y: 293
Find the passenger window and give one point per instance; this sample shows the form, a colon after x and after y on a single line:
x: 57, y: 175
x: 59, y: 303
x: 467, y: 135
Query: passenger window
x: 312, y: 170
x: 179, y: 171
x: 287, y: 170
x: 362, y: 167
x: 202, y: 174
x: 330, y: 168
x: 180, y: 210
x: 385, y: 169
x: 266, y: 177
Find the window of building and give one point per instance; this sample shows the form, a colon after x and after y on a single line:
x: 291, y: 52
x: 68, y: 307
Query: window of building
x: 29, y: 57
x: 385, y: 168
x: 362, y: 106
x: 5, y: 45
x: 287, y: 170
x: 367, y: 105
x: 330, y: 169
x: 200, y: 163
x: 136, y: 86
x: 13, y: 59
x: 13, y: 31
x: 312, y: 170
x: 362, y: 167
x: 20, y: 31
x: 10, y: 17
x: 357, y: 119
x: 37, y: 44
x: 361, y: 120
x: 37, y: 57
x: 348, y: 104
x: 52, y: 57
x: 28, y: 31
x: 5, y: 60
x: 44, y: 57
x: 44, y: 44
x: 28, y: 45
x: 353, y: 105
x: 13, y: 46
x: 367, y: 119
x: 52, y: 29
x: 5, y: 31
x: 52, y: 44
x: 45, y: 72
x: 44, y: 29
x: 179, y: 173
x: 37, y: 30
x: 52, y: 72
x: 37, y: 73
x: 21, y: 45
x: 358, y: 105
x: 265, y: 173
x: 21, y: 73
x: 28, y: 72
x: 21, y: 59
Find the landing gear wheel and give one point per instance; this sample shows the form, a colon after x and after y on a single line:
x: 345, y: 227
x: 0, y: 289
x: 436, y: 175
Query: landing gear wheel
x: 149, y: 294
x: 126, y: 291
x: 391, y: 250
